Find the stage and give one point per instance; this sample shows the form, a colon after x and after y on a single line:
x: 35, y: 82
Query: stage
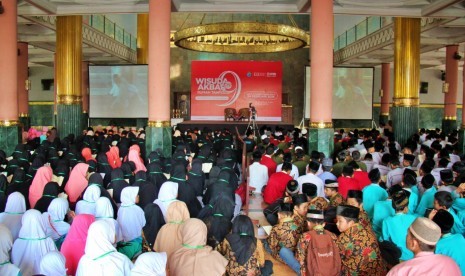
x: 241, y: 125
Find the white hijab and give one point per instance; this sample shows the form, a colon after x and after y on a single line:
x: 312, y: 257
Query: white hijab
x: 131, y: 217
x: 101, y: 257
x: 14, y: 210
x: 167, y: 194
x: 150, y: 264
x: 104, y: 211
x: 6, y: 243
x: 32, y: 243
x: 87, y: 204
x: 53, y: 264
x: 54, y: 218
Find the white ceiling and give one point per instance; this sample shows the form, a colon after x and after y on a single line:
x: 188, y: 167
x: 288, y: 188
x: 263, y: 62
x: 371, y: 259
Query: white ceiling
x: 42, y: 39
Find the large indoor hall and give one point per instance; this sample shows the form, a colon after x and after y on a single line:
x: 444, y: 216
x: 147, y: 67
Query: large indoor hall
x: 232, y: 137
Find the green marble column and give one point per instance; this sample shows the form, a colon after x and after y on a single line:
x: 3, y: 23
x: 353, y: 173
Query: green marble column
x: 69, y: 119
x: 10, y: 136
x: 158, y: 137
x: 405, y: 122
x: 383, y: 118
x: 322, y: 140
x: 449, y: 125
x: 25, y: 121
x: 85, y: 120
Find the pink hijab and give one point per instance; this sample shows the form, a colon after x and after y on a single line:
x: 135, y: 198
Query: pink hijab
x: 75, y: 241
x: 77, y: 182
x: 43, y: 176
x: 134, y: 156
x: 113, y: 157
x: 87, y: 154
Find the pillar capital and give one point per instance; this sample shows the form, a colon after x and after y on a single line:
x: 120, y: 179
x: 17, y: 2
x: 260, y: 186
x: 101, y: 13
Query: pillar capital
x: 69, y: 99
x: 159, y: 123
x: 321, y: 124
x: 406, y: 102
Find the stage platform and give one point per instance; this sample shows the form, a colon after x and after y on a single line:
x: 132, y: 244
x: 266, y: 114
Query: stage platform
x: 241, y: 125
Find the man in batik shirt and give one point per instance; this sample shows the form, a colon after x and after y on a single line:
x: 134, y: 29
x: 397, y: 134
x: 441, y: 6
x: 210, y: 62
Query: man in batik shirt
x: 359, y: 249
x: 335, y: 198
x: 284, y: 234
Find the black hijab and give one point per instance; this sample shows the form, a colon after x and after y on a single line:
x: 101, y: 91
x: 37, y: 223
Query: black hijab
x: 13, y: 164
x: 53, y: 158
x: 242, y: 239
x: 148, y: 192
x: 155, y: 174
x: 3, y: 197
x: 19, y: 184
x: 117, y: 184
x: 154, y: 221
x: 104, y: 167
x: 219, y: 223
x: 127, y: 172
x: 19, y: 149
x: 51, y: 191
x: 185, y: 191
x: 196, y: 177
x: 62, y: 169
x: 36, y: 164
x: 96, y: 180
x: 23, y: 160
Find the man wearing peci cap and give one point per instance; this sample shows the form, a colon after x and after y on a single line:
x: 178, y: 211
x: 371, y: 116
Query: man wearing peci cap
x: 327, y: 164
x: 373, y: 192
x: 331, y: 192
x: 422, y: 238
x: 311, y: 177
x: 359, y: 249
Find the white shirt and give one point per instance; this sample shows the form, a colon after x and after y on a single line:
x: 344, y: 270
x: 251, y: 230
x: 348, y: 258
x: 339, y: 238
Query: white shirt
x: 311, y: 178
x: 258, y: 176
x: 294, y: 172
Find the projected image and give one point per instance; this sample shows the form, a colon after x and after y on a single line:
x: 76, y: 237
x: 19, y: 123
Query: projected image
x: 352, y: 93
x: 118, y: 91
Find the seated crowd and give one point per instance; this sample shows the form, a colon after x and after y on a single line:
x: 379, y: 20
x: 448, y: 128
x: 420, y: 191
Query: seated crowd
x: 97, y: 204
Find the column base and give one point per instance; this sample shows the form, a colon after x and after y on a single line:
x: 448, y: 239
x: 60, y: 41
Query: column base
x: 449, y: 125
x: 158, y: 138
x: 405, y: 122
x: 69, y: 119
x: 322, y: 140
x: 25, y: 122
x: 383, y: 119
x: 10, y: 136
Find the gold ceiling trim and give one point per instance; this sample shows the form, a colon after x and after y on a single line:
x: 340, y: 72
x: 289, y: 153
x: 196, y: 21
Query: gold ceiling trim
x: 241, y: 38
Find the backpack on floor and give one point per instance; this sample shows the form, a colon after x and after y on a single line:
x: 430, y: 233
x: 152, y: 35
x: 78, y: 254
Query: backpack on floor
x: 323, y: 255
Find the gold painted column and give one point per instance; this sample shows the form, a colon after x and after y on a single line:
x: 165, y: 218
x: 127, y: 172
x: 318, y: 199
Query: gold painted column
x: 69, y: 74
x: 142, y: 38
x: 449, y: 121
x: 406, y: 77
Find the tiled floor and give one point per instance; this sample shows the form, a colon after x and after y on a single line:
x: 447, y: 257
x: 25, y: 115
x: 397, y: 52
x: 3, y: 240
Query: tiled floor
x: 256, y: 206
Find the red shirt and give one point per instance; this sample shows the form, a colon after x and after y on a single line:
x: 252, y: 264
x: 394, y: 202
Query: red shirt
x: 346, y: 184
x: 276, y: 186
x: 362, y: 178
x: 269, y: 163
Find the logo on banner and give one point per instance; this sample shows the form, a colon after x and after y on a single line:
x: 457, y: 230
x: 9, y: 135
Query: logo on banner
x: 227, y: 87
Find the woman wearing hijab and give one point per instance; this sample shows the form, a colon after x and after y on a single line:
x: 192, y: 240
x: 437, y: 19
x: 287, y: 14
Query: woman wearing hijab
x: 185, y: 191
x: 77, y: 182
x: 103, y: 167
x: 131, y: 220
x: 43, y: 176
x: 53, y: 158
x: 87, y: 154
x: 19, y: 184
x: 219, y: 223
x: 147, y: 191
x: 150, y: 264
x: 101, y: 257
x: 169, y: 238
x: 196, y: 178
x: 134, y: 156
x: 75, y: 242
x: 104, y: 211
x: 128, y: 172
x: 154, y: 222
x: 117, y: 184
x: 87, y: 204
x: 56, y: 227
x: 53, y: 263
x: 155, y: 174
x: 36, y: 164
x: 6, y: 243
x: 195, y: 257
x: 14, y: 210
x: 62, y: 170
x: 3, y: 197
x: 245, y: 253
x: 32, y: 243
x: 50, y: 192
x: 168, y: 193
x: 113, y: 157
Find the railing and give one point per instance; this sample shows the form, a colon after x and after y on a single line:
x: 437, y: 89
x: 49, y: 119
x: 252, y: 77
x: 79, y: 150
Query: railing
x: 111, y: 29
x: 368, y: 26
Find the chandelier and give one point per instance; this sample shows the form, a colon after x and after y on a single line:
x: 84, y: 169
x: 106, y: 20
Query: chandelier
x: 242, y: 37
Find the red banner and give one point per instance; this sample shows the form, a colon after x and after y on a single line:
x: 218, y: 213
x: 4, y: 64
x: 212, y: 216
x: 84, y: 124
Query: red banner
x: 216, y: 85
